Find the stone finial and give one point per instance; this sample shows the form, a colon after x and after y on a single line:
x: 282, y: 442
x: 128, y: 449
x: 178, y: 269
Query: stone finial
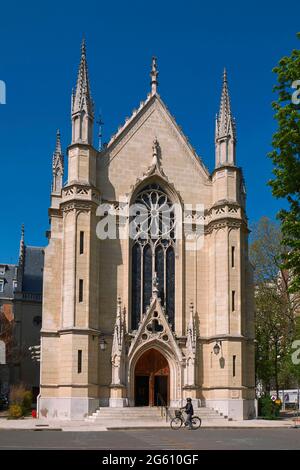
x: 155, y: 285
x: 155, y: 167
x: 153, y: 76
x: 155, y: 149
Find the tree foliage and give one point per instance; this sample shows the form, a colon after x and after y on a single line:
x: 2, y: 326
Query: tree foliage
x: 275, y: 305
x: 286, y: 159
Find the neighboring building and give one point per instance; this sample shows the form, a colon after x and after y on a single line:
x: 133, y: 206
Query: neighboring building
x: 8, y: 286
x: 6, y: 344
x: 157, y: 318
x: 21, y: 305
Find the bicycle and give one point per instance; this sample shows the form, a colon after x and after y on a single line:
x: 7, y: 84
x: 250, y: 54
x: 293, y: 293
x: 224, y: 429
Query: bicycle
x: 179, y: 421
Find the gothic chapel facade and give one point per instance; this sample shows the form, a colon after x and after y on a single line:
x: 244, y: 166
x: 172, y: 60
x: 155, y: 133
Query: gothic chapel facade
x: 146, y: 320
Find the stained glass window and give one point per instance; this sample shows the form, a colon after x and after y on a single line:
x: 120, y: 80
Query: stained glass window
x: 153, y: 250
x: 147, y: 276
x: 136, y: 285
x: 160, y: 270
x: 170, y: 307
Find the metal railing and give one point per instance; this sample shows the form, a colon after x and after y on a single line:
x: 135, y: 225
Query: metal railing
x: 164, y: 409
x: 31, y: 296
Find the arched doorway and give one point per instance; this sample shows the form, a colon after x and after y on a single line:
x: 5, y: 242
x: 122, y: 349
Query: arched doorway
x: 152, y: 375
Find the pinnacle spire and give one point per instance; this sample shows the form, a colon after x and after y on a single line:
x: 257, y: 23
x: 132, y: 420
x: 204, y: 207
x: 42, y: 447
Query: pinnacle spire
x: 119, y: 327
x: 225, y: 134
x: 58, y: 143
x: 81, y: 98
x: 57, y: 166
x: 191, y: 331
x: 22, y: 246
x: 225, y: 124
x: 191, y: 319
x: 153, y: 76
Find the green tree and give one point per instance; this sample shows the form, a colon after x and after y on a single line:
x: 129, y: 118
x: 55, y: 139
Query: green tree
x: 275, y: 306
x: 286, y: 159
x: 273, y: 335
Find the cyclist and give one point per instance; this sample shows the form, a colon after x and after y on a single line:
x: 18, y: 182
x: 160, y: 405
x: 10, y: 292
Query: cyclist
x: 188, y: 408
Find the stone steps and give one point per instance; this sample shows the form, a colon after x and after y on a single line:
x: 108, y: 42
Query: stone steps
x: 125, y: 414
x: 107, y: 416
x: 203, y: 413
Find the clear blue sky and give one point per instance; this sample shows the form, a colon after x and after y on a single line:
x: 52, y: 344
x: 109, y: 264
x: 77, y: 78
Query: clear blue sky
x: 193, y: 40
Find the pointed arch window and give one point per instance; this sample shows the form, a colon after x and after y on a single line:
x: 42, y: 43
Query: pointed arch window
x: 153, y: 250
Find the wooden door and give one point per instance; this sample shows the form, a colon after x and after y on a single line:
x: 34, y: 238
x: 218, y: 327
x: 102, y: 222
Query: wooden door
x: 153, y: 366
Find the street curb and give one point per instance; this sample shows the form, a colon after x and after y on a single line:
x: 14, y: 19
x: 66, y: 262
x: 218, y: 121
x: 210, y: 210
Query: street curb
x: 46, y: 429
x: 146, y: 428
x: 30, y: 429
x: 202, y: 427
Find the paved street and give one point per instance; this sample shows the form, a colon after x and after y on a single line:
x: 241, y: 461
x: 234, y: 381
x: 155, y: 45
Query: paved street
x: 154, y: 439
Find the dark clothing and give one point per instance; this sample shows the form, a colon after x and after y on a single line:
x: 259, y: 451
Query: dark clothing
x: 189, y: 421
x: 189, y: 409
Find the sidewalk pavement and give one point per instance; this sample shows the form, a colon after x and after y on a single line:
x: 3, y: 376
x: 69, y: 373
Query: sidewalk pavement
x: 82, y: 426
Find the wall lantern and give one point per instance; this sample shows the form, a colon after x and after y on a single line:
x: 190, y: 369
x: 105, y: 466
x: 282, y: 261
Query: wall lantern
x: 217, y: 347
x: 102, y: 344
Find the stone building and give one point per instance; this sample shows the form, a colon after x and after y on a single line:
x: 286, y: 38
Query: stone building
x: 21, y: 313
x: 152, y: 315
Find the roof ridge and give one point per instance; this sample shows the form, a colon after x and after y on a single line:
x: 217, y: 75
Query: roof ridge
x: 134, y: 113
x: 36, y: 247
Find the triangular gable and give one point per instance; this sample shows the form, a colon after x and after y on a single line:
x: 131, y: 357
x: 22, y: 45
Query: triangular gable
x: 155, y: 327
x: 136, y: 120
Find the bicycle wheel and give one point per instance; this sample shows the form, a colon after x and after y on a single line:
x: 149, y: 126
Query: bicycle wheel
x: 196, y: 422
x: 176, y: 423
